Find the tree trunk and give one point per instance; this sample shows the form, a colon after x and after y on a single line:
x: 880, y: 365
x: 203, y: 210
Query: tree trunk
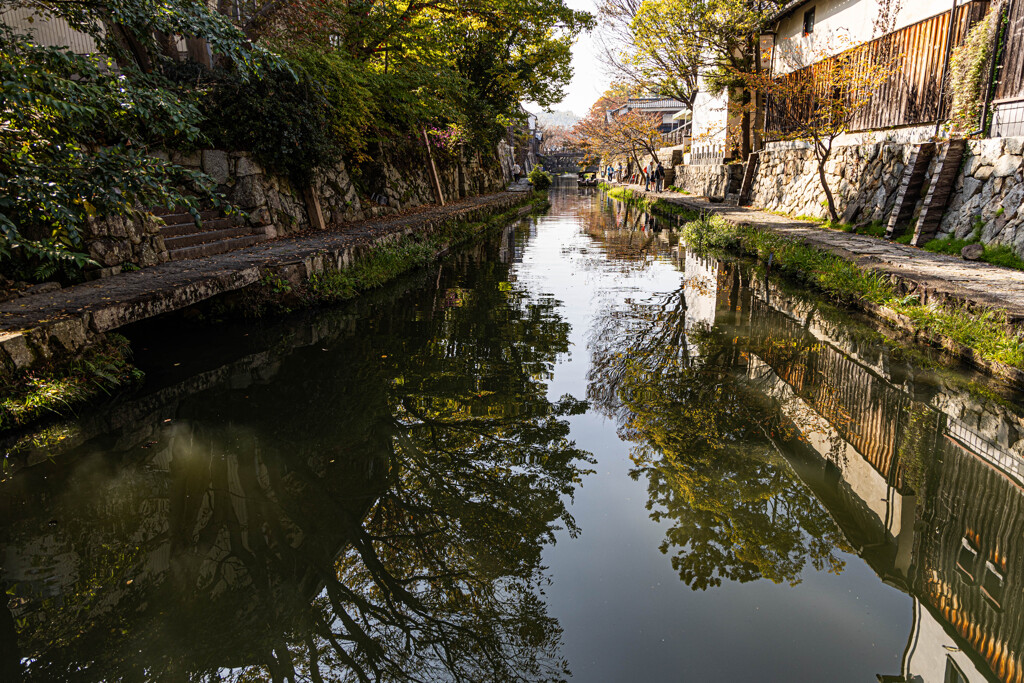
x: 822, y: 158
x: 168, y: 45
x: 131, y: 46
x: 758, y: 126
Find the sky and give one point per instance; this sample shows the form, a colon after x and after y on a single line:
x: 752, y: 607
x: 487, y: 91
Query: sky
x: 589, y: 80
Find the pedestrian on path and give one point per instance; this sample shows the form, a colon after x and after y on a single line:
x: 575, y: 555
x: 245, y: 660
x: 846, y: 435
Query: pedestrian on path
x: 659, y: 178
x: 517, y: 172
x: 647, y: 177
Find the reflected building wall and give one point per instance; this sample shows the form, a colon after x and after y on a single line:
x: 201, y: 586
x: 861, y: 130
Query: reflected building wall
x: 923, y: 478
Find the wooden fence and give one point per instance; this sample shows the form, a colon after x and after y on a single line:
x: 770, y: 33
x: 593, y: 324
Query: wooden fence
x: 911, y: 95
x: 1011, y: 76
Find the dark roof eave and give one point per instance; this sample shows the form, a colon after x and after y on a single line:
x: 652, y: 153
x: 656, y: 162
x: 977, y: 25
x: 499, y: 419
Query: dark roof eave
x: 788, y: 9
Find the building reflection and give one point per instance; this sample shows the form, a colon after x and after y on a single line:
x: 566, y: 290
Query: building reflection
x: 924, y: 477
x: 922, y: 470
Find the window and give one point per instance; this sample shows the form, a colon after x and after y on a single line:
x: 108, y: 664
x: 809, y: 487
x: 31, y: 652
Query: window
x: 967, y: 559
x: 993, y: 586
x: 809, y: 22
x: 953, y: 672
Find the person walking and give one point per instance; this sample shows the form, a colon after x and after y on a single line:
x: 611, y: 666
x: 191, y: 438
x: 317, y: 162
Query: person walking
x: 517, y: 172
x: 659, y: 178
x: 647, y: 177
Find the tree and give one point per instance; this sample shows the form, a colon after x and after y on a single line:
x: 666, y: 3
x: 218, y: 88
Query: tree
x: 79, y: 131
x: 819, y: 103
x: 459, y: 60
x: 674, y: 48
x: 630, y: 136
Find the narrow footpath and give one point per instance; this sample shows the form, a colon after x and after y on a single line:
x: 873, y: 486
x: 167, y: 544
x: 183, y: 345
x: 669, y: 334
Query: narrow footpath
x: 63, y: 321
x: 935, y: 277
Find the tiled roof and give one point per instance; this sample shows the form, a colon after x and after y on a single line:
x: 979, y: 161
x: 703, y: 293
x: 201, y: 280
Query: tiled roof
x: 654, y: 103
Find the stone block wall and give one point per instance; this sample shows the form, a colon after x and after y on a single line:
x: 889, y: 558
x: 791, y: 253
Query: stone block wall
x: 114, y: 240
x: 865, y: 179
x: 707, y: 181
x: 395, y: 178
x: 988, y: 193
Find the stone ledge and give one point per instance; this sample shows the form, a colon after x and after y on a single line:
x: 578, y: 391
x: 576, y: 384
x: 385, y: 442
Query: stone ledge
x: 38, y: 327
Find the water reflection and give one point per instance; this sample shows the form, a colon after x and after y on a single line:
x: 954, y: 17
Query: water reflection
x: 775, y: 433
x: 368, y: 507
x: 366, y: 493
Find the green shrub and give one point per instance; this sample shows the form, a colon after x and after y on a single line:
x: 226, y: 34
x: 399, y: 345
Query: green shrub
x: 1002, y: 255
x: 967, y: 72
x: 709, y: 231
x: 540, y: 179
x: 288, y: 119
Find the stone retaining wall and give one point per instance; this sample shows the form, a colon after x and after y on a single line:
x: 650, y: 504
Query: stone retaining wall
x: 865, y: 179
x: 707, y: 181
x: 53, y: 326
x: 115, y: 240
x: 396, y: 178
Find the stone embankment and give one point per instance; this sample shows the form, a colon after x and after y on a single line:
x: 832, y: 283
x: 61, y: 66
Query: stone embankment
x: 49, y: 325
x: 988, y: 192
x: 272, y: 206
x: 933, y: 278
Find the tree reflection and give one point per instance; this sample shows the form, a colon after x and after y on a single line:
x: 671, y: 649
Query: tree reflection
x: 704, y: 441
x: 422, y: 445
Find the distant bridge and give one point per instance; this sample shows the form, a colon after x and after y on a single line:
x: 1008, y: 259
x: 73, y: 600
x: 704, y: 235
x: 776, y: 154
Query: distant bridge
x: 566, y: 162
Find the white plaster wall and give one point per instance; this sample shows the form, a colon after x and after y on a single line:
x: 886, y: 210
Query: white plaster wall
x: 840, y: 25
x: 49, y: 31
x: 709, y: 119
x: 931, y: 644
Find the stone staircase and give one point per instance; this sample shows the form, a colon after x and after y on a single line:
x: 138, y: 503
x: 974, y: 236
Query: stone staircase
x: 215, y: 234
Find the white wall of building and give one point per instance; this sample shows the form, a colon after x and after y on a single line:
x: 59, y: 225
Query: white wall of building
x: 49, y: 31
x: 932, y: 649
x: 840, y: 25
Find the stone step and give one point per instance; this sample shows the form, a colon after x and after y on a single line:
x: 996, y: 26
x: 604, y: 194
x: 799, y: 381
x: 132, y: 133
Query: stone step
x: 212, y: 248
x: 175, y: 217
x: 182, y: 241
x: 191, y: 228
x: 935, y: 202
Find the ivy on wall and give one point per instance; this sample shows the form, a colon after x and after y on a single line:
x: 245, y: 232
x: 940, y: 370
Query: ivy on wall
x: 968, y: 66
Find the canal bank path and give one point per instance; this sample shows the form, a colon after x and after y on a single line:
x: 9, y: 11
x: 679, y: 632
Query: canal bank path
x: 37, y: 326
x: 935, y: 277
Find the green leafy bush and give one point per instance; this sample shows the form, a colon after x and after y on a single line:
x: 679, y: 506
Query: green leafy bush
x: 967, y: 72
x: 540, y: 179
x: 293, y: 120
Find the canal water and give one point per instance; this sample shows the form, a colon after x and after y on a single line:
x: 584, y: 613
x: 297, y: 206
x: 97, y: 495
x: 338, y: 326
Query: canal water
x: 576, y: 450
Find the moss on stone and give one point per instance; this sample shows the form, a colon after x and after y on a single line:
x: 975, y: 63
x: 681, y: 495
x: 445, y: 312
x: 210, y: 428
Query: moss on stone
x: 59, y: 388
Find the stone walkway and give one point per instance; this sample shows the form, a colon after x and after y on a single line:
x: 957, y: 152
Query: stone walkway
x: 933, y: 276
x: 34, y: 327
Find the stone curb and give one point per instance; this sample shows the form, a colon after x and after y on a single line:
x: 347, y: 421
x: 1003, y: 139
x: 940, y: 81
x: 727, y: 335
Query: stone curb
x: 37, y: 328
